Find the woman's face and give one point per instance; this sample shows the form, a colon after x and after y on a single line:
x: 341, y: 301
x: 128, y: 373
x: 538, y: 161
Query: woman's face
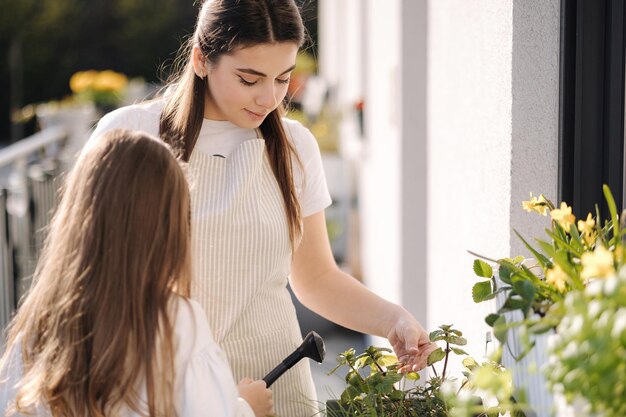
x: 246, y: 85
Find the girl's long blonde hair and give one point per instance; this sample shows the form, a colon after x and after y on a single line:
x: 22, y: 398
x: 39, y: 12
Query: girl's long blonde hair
x: 94, y: 326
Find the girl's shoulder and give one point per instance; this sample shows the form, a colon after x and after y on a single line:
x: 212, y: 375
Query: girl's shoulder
x: 190, y: 324
x: 141, y: 116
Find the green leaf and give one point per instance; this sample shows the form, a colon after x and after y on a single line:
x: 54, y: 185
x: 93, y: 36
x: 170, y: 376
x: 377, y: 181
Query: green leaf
x: 491, y: 319
x: 562, y: 243
x: 397, y: 395
x: 456, y: 340
x: 512, y: 304
x: 541, y: 326
x: 515, y: 261
x: 469, y: 363
x: 545, y: 262
x: 349, y: 393
x: 436, y: 335
x: 525, y: 289
x: 575, y: 241
x: 482, y: 291
x: 386, y: 360
x: 482, y: 269
x: 458, y: 351
x: 546, y: 247
x: 435, y: 356
x: 412, y: 376
x: 505, y: 271
x: 610, y: 201
x: 500, y: 329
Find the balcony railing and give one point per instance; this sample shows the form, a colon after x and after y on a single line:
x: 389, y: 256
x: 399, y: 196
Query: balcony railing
x: 30, y: 172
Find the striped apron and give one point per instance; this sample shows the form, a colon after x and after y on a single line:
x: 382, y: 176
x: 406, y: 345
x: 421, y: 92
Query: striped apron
x: 241, y: 261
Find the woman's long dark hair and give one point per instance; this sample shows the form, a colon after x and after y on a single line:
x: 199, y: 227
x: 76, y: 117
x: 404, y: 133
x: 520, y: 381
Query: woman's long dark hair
x: 222, y: 27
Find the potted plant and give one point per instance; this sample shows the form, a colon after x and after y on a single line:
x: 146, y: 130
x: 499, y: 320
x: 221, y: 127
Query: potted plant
x: 574, y: 288
x: 375, y: 387
x: 571, y: 255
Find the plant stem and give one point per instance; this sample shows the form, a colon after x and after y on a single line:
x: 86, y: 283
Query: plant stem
x: 381, y: 370
x: 434, y: 370
x: 482, y: 257
x: 461, y: 387
x: 445, y: 363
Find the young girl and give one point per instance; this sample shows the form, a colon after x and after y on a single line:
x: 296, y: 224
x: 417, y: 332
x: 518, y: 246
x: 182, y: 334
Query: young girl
x: 257, y: 207
x: 107, y: 329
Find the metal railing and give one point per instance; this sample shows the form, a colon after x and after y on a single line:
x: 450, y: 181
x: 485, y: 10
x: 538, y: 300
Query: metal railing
x: 30, y: 171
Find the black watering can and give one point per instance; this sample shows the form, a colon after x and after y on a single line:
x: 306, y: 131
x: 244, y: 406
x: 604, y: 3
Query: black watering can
x: 312, y: 347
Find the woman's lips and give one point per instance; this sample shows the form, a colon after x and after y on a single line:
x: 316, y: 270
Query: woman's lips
x: 256, y: 116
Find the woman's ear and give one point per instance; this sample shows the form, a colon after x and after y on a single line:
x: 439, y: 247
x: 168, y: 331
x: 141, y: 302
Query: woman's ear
x: 199, y: 62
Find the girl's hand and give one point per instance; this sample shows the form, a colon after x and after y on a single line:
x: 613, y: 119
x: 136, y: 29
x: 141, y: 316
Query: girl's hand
x: 411, y: 343
x: 258, y: 396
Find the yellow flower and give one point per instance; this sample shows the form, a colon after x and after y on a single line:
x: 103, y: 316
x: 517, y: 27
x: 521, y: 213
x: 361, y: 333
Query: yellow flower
x: 539, y: 205
x: 587, y: 229
x: 556, y: 277
x: 110, y: 81
x: 82, y: 80
x: 563, y: 216
x: 597, y: 264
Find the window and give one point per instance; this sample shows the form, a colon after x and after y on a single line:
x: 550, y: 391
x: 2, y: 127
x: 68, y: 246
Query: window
x: 591, y: 125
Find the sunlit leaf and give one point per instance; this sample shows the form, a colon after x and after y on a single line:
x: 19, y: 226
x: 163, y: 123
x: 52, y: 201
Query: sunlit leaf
x: 458, y: 351
x: 482, y: 291
x: 412, y: 376
x: 435, y: 356
x: 469, y: 363
x: 482, y: 269
x: 436, y: 335
x: 456, y: 340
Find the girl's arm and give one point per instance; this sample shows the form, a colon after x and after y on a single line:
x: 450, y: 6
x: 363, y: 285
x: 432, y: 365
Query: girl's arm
x: 322, y: 287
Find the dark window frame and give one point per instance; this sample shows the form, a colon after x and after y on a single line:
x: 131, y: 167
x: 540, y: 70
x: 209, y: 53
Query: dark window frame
x: 591, y: 113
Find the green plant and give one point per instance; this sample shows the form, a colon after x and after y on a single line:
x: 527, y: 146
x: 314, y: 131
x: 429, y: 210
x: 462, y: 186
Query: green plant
x: 375, y: 387
x: 571, y: 254
x: 588, y: 351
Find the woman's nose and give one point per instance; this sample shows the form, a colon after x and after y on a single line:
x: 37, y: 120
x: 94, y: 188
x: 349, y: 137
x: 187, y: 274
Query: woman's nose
x: 267, y: 98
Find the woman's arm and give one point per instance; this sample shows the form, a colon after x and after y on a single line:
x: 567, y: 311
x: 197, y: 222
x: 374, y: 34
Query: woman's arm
x: 321, y: 286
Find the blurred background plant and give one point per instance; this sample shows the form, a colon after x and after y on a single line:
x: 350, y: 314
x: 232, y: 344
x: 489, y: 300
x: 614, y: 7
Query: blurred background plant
x: 103, y: 88
x: 44, y: 42
x: 588, y: 352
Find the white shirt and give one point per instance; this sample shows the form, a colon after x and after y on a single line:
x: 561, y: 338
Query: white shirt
x: 204, y: 384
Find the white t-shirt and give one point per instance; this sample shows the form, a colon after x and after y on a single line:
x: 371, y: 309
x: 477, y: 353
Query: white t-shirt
x: 204, y: 384
x: 222, y: 137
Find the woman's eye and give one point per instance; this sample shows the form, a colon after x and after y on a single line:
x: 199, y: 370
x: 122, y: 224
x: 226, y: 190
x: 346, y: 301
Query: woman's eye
x: 246, y: 82
x: 285, y: 81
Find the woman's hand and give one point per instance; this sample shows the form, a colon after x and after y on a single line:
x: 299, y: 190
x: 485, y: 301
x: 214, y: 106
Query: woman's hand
x: 410, y: 343
x: 258, y: 396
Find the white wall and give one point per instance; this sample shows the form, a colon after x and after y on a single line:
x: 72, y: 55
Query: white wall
x: 461, y: 124
x: 492, y: 138
x: 380, y: 180
x: 469, y: 154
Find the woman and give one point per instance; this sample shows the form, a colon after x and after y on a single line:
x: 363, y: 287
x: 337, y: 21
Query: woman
x: 107, y: 329
x: 259, y: 189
